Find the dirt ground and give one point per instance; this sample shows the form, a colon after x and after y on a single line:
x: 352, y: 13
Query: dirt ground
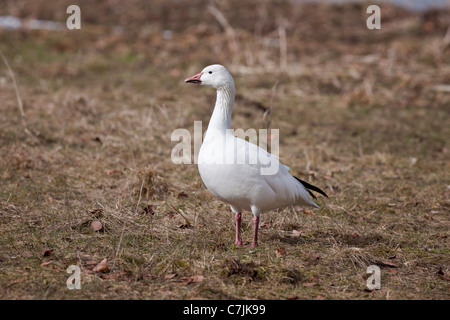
x: 85, y: 145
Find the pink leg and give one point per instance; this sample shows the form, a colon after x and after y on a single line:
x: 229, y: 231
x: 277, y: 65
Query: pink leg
x: 255, y: 232
x: 238, y: 241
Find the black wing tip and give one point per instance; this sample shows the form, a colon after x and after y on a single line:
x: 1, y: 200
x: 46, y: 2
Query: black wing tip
x: 312, y: 195
x: 311, y: 187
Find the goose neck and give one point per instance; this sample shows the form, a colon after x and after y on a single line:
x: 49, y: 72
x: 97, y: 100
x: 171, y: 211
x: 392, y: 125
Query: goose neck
x: 221, y: 117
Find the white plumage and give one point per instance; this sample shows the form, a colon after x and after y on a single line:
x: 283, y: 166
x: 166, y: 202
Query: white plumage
x: 232, y: 168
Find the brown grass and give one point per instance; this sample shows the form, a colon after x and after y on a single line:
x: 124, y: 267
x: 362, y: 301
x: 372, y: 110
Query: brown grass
x: 362, y: 114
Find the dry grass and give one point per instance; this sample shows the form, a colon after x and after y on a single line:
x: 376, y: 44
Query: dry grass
x: 362, y: 114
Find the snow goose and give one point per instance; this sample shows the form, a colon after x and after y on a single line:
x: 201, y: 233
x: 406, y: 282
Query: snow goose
x: 241, y: 183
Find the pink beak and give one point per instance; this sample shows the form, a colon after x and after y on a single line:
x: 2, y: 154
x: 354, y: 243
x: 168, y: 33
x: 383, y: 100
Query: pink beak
x: 194, y: 79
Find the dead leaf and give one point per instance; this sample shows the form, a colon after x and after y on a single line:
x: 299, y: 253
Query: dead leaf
x: 47, y: 252
x: 97, y: 213
x: 309, y: 284
x: 263, y: 225
x: 109, y: 172
x: 91, y: 262
x: 183, y: 281
x: 385, y: 263
x: 296, y: 233
x: 308, y: 212
x: 197, y: 278
x: 114, y: 276
x: 170, y: 276
x: 442, y: 274
x: 182, y: 195
x: 280, y: 252
x: 314, y: 278
x: 149, y: 209
x: 102, y: 266
x: 393, y: 271
x: 96, y: 225
x: 45, y: 263
x: 87, y: 271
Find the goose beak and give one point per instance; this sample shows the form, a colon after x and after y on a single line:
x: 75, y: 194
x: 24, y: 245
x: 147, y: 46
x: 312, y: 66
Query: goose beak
x: 194, y: 79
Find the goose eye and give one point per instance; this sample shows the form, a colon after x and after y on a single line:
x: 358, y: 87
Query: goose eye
x: 210, y: 72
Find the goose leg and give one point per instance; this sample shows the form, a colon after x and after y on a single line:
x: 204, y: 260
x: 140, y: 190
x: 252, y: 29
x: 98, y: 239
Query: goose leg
x: 237, y: 218
x: 255, y: 232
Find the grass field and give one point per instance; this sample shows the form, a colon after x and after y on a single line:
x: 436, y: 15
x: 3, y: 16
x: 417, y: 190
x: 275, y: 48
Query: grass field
x: 363, y: 114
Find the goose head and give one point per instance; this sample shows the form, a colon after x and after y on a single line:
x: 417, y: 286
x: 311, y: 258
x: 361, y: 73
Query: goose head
x: 216, y: 76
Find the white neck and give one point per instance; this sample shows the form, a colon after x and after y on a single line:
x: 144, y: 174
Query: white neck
x: 221, y: 117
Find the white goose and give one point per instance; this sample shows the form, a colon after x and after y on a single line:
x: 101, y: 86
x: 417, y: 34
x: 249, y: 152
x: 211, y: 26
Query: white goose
x: 240, y: 183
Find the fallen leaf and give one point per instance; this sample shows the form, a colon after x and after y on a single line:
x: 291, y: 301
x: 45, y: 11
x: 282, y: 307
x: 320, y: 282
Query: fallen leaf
x: 309, y: 284
x: 96, y: 225
x: 45, y: 263
x: 296, y: 233
x: 47, y: 252
x: 280, y: 252
x: 109, y: 172
x: 87, y: 271
x: 197, y: 278
x: 170, y: 276
x: 182, y: 195
x: 314, y: 278
x: 388, y: 264
x: 98, y: 213
x: 113, y: 276
x: 183, y: 281
x: 442, y: 274
x: 263, y: 225
x: 308, y: 212
x: 102, y: 266
x: 393, y: 271
x: 149, y: 209
x: 171, y: 214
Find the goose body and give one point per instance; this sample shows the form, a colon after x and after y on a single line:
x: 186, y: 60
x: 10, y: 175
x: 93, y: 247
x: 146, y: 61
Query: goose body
x: 232, y: 169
